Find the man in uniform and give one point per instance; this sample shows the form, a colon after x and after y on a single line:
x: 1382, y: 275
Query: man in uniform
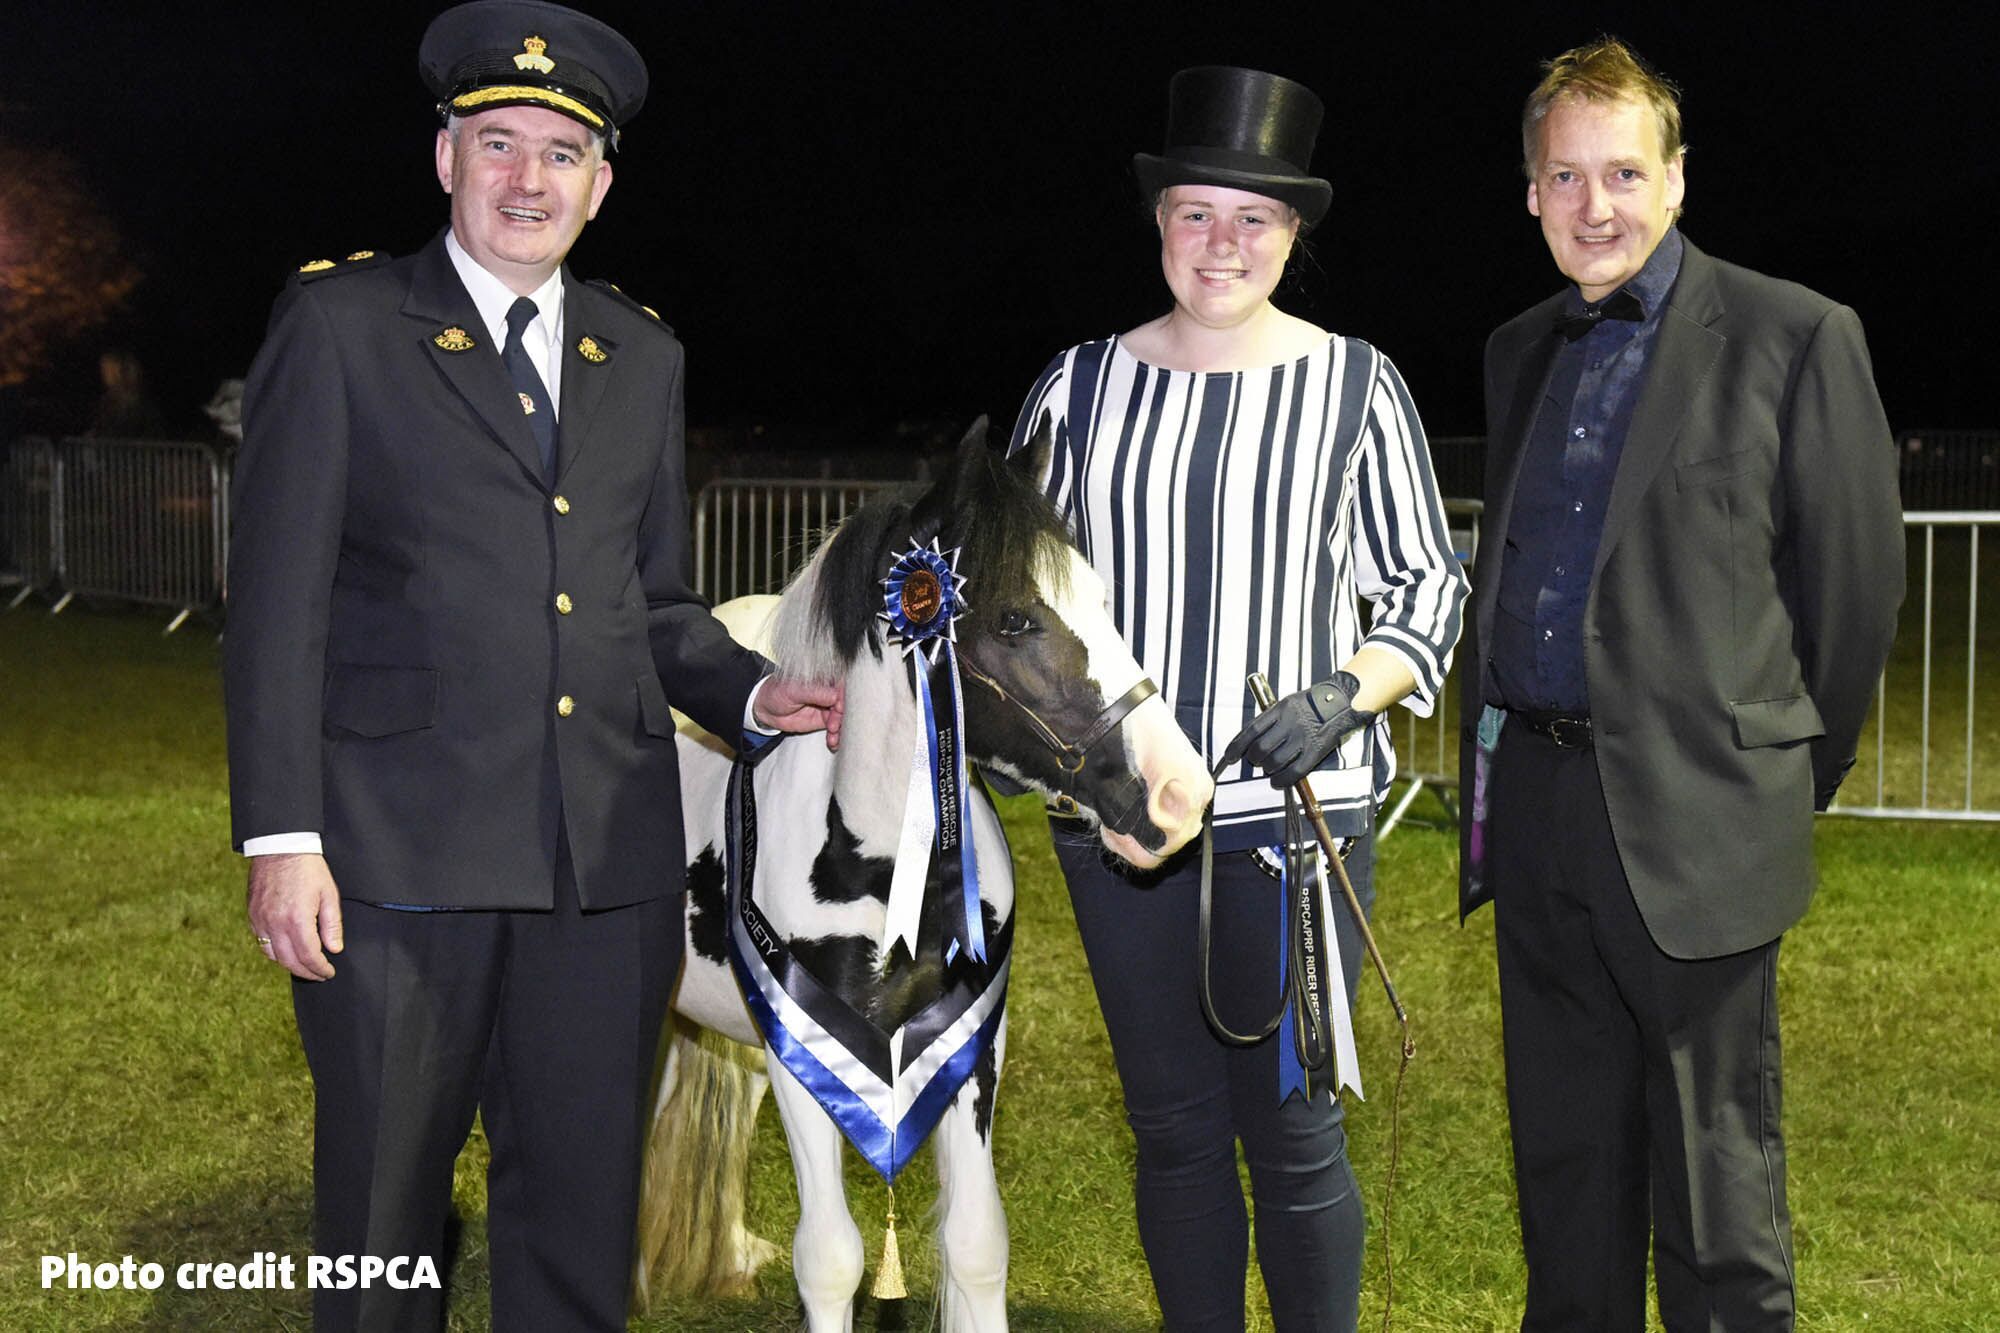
x: 1687, y: 587
x: 459, y: 611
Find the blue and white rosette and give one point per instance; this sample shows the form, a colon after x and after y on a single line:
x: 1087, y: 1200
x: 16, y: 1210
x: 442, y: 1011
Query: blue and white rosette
x: 922, y: 599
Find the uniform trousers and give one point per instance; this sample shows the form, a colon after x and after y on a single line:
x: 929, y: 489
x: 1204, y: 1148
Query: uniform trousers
x: 1643, y: 1089
x: 1190, y: 1097
x: 547, y: 1023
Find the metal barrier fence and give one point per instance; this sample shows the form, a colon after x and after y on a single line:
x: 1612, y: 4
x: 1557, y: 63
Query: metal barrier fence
x: 138, y: 520
x: 1938, y: 639
x: 1922, y: 745
x: 1936, y: 469
x: 27, y: 512
x: 147, y: 522
x: 1927, y: 732
x: 750, y: 536
x: 1427, y: 747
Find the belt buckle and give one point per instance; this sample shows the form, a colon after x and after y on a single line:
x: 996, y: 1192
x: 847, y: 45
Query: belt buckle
x: 1570, y: 733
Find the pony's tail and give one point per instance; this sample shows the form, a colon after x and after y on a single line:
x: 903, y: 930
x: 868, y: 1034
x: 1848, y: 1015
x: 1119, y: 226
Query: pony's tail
x: 691, y: 1236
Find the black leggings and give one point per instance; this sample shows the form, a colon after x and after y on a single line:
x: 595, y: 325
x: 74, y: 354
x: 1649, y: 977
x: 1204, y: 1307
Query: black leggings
x: 1190, y: 1096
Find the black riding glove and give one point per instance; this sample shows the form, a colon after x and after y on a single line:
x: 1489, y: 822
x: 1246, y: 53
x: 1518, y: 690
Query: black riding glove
x: 1294, y: 736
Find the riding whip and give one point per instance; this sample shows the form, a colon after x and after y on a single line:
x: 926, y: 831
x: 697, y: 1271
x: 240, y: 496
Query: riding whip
x: 1260, y: 690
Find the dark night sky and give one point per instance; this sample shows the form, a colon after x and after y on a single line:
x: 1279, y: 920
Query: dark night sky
x: 862, y: 212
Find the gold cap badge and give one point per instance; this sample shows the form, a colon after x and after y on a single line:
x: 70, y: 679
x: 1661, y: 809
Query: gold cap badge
x: 454, y: 339
x: 588, y: 349
x: 317, y: 266
x: 531, y: 57
x: 360, y: 255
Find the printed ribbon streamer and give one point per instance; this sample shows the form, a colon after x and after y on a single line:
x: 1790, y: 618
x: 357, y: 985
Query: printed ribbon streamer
x: 1323, y: 951
x: 922, y: 599
x: 886, y: 1091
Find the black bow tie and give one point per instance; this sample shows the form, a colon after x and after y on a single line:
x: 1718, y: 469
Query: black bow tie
x: 1621, y: 305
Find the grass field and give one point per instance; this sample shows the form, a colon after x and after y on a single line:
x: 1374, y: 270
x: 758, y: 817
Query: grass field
x: 153, y: 1100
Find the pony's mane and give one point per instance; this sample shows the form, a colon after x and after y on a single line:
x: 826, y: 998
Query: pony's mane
x: 1010, y: 539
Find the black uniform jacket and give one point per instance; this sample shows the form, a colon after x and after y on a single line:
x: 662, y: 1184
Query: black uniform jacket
x: 432, y: 655
x: 1743, y: 601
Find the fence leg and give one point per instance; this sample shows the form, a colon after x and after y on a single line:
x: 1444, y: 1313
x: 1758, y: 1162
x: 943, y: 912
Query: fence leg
x: 180, y: 618
x: 61, y: 602
x: 27, y: 591
x: 1388, y: 825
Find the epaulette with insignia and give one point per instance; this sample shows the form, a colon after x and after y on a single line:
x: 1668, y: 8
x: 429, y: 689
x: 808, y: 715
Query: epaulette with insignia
x: 645, y: 310
x: 321, y: 268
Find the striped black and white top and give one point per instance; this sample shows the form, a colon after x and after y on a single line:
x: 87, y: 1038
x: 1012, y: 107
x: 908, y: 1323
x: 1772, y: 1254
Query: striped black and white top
x: 1234, y: 517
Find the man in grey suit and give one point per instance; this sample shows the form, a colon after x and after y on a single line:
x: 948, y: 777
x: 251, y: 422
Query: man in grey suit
x: 1686, y: 590
x: 459, y: 611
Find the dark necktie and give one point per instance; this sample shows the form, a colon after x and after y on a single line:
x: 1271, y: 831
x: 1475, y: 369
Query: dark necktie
x: 534, y: 394
x: 1621, y: 305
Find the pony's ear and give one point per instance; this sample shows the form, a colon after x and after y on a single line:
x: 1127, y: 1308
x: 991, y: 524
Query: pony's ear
x: 973, y: 466
x: 977, y: 436
x: 1031, y: 460
x: 973, y: 469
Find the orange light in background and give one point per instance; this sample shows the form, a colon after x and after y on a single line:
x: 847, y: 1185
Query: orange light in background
x: 63, y: 270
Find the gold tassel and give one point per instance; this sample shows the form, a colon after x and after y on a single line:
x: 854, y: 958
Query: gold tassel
x: 889, y: 1273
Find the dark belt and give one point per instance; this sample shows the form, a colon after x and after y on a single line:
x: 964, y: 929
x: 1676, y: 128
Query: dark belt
x: 1570, y: 731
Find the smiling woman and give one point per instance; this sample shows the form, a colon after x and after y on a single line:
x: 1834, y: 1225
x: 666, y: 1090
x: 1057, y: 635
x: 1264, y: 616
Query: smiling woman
x: 1223, y: 251
x: 1237, y: 476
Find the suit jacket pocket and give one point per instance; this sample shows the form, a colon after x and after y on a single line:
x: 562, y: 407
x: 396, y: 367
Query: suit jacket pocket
x: 381, y: 700
x: 654, y: 714
x: 1776, y: 721
x: 1708, y: 471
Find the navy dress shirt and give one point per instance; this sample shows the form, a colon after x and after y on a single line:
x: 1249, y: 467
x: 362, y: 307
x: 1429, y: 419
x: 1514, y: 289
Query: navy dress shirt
x: 1562, y: 493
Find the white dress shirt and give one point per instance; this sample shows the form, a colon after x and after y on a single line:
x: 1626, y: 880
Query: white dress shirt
x: 543, y: 338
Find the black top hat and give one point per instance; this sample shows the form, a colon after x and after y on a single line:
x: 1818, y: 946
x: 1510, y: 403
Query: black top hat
x: 527, y: 53
x: 1244, y: 129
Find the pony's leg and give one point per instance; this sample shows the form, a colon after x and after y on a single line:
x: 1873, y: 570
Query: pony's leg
x: 826, y: 1249
x: 972, y: 1227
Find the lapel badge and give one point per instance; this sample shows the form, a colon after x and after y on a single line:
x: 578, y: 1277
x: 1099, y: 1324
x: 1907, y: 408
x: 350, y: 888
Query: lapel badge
x: 588, y: 349
x: 454, y: 339
x: 531, y: 57
x: 317, y: 266
x: 527, y: 404
x: 360, y: 255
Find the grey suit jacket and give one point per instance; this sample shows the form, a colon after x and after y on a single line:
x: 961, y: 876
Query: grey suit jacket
x: 411, y: 604
x: 1743, y: 602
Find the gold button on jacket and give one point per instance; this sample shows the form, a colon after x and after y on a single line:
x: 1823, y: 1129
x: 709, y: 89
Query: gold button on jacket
x: 565, y: 706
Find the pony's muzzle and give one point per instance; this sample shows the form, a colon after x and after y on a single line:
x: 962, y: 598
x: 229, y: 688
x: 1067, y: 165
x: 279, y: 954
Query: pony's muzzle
x: 1128, y: 811
x: 1160, y: 817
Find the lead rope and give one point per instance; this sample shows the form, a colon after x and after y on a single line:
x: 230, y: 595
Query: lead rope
x: 1260, y: 690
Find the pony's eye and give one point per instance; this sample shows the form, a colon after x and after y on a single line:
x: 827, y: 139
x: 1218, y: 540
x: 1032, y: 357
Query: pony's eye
x: 1014, y: 623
